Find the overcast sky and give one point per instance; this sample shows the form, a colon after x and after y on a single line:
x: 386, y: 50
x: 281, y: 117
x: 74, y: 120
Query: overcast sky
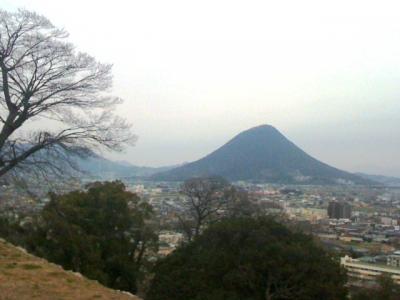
x: 195, y: 73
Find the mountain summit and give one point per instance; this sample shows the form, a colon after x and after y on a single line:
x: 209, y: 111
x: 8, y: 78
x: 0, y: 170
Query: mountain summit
x: 262, y: 154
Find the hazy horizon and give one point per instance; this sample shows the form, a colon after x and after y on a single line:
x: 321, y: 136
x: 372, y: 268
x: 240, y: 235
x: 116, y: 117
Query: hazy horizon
x: 195, y: 74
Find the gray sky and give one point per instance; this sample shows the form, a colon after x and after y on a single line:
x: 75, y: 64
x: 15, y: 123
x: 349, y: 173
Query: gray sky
x: 195, y: 73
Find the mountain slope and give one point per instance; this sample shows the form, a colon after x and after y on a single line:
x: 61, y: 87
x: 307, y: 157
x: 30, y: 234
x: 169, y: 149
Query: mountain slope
x: 262, y: 154
x: 389, y: 181
x: 25, y: 277
x: 106, y: 169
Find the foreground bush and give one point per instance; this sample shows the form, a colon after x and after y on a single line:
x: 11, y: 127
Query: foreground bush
x: 101, y: 233
x: 248, y: 259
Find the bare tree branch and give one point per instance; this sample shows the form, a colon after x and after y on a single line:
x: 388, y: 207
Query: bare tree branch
x: 204, y: 198
x: 44, y: 78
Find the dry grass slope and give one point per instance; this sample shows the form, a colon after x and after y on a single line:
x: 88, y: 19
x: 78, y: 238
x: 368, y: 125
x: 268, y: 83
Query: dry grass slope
x: 24, y: 276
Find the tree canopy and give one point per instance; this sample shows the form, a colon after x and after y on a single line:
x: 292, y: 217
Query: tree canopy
x: 248, y: 258
x: 102, y: 233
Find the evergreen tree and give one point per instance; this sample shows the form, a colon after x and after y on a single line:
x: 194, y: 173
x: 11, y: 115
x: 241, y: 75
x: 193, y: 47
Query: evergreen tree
x: 247, y: 258
x: 101, y: 232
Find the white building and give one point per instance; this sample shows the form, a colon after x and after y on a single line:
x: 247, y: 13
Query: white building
x: 362, y: 273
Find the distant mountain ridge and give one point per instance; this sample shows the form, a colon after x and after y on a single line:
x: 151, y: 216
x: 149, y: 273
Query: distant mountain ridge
x: 105, y: 169
x: 262, y: 154
x: 389, y: 181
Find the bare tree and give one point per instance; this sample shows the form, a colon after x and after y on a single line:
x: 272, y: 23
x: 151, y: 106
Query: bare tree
x: 54, y: 101
x: 239, y: 203
x: 204, y: 201
x: 208, y: 199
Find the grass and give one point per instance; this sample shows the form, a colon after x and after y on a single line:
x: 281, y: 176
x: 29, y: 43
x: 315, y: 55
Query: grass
x: 24, y: 276
x: 30, y: 267
x: 10, y: 266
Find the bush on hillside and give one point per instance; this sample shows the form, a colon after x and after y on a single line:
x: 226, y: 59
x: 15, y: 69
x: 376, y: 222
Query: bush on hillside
x: 248, y: 259
x: 101, y: 233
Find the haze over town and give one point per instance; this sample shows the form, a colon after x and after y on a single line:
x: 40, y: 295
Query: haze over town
x: 194, y: 75
x: 185, y: 150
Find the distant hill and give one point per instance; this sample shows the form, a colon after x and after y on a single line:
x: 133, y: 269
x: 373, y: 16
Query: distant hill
x: 105, y: 169
x: 262, y: 154
x: 385, y: 180
x: 25, y: 277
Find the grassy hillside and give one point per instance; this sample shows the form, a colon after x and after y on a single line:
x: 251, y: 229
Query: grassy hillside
x: 24, y: 276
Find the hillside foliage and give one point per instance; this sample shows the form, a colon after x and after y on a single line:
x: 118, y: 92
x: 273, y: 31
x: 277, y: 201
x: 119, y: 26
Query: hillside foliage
x: 102, y: 233
x: 248, y: 258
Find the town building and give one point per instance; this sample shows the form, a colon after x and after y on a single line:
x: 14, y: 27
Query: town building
x: 339, y: 210
x: 362, y: 273
x: 394, y: 259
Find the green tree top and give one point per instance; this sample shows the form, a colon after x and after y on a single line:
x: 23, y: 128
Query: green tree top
x: 102, y: 232
x: 248, y: 258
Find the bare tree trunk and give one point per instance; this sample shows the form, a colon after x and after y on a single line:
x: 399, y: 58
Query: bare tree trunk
x: 44, y: 78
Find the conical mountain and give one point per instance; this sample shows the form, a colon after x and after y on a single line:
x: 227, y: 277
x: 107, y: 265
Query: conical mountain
x: 262, y: 154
